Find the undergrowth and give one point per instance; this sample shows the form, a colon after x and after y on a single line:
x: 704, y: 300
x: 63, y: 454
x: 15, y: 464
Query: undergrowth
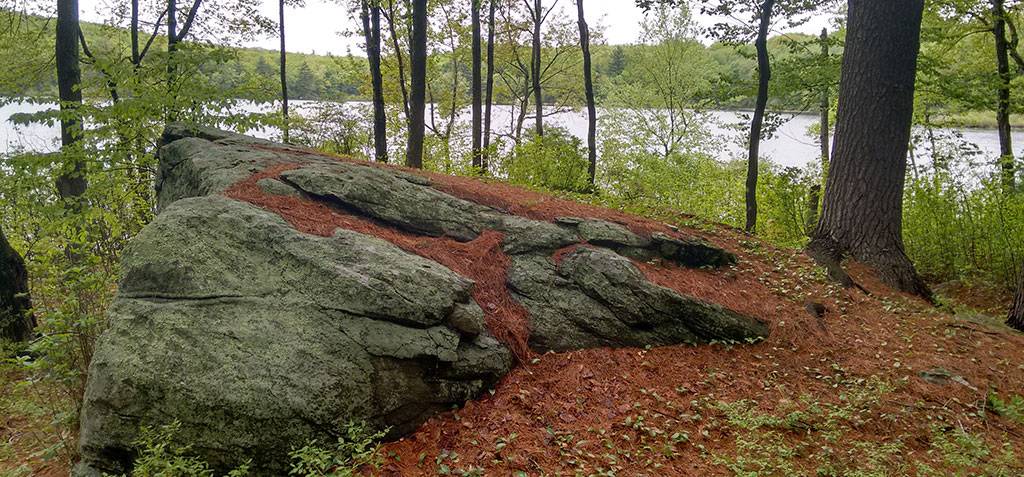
x: 817, y: 436
x: 161, y: 455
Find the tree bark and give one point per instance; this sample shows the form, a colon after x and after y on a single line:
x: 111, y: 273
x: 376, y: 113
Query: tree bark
x: 418, y: 84
x: 371, y: 33
x: 764, y: 75
x: 824, y: 107
x: 477, y: 86
x: 538, y: 96
x: 489, y: 100
x: 1006, y: 160
x: 862, y: 210
x: 71, y: 183
x: 16, y: 324
x: 588, y: 86
x: 134, y: 32
x: 1016, y: 316
x: 284, y: 74
x: 172, y: 38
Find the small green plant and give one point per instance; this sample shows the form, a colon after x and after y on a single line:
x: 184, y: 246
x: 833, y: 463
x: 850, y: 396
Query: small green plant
x: 356, y: 448
x: 160, y: 456
x: 810, y: 436
x: 963, y: 453
x: 1012, y: 408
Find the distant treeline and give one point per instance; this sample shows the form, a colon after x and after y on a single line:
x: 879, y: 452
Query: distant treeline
x: 345, y: 77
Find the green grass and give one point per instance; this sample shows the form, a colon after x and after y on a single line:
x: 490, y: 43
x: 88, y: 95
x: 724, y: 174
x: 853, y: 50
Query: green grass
x: 977, y: 119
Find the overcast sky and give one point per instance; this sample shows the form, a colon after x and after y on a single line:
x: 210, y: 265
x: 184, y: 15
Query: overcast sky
x: 316, y: 27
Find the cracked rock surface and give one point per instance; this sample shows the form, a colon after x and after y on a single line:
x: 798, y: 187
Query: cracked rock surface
x: 233, y: 323
x: 258, y: 337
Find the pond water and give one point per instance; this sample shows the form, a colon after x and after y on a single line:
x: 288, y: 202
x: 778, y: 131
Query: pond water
x: 790, y: 146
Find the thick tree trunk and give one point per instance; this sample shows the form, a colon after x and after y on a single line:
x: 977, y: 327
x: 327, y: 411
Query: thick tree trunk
x: 418, y: 86
x: 284, y: 74
x: 1016, y: 316
x: 371, y: 33
x: 16, y: 324
x: 862, y: 210
x: 588, y: 85
x: 538, y: 96
x: 1006, y: 160
x: 764, y: 76
x: 71, y: 184
x: 477, y: 86
x: 823, y: 109
x: 489, y: 100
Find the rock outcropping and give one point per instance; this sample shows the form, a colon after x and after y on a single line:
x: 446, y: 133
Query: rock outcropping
x: 280, y: 294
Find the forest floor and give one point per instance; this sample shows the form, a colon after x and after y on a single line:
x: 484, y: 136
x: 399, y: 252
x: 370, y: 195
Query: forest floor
x: 877, y: 384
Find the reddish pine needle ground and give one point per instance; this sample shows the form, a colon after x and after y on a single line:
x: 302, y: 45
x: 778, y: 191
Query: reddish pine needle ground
x: 525, y: 425
x: 820, y: 395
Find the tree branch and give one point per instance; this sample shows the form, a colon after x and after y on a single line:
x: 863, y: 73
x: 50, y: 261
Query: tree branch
x: 111, y: 85
x: 189, y: 20
x: 1013, y: 44
x: 149, y: 42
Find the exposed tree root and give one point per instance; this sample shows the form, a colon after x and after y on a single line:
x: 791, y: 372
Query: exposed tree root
x: 828, y: 254
x: 892, y: 267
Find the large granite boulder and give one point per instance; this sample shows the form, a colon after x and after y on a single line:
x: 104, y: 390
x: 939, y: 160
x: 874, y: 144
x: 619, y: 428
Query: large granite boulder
x: 255, y: 333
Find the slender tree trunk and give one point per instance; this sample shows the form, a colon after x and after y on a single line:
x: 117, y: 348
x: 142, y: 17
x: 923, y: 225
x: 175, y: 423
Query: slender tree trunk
x: 489, y: 100
x: 538, y: 96
x: 523, y: 105
x: 824, y: 108
x: 862, y: 210
x: 477, y: 87
x: 1006, y: 160
x: 813, y: 198
x: 399, y: 59
x: 172, y: 38
x: 588, y: 86
x: 135, y: 32
x: 71, y: 183
x: 172, y: 48
x: 16, y: 323
x: 371, y: 32
x: 418, y: 86
x: 1016, y: 316
x: 284, y: 74
x: 764, y: 75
